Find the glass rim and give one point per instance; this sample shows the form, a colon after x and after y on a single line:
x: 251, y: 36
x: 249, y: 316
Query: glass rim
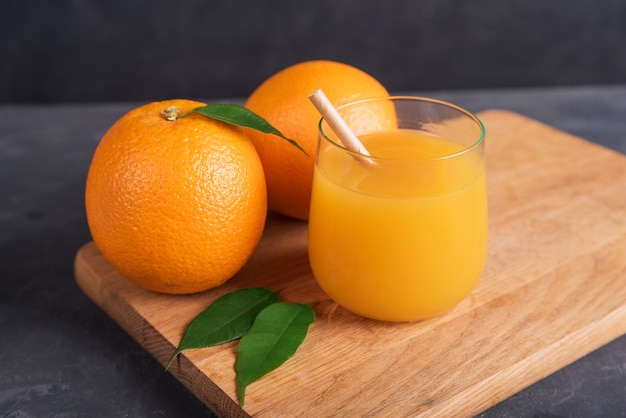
x: 465, y: 150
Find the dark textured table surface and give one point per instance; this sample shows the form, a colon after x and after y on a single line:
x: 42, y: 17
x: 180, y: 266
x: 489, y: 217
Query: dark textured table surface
x: 61, y: 356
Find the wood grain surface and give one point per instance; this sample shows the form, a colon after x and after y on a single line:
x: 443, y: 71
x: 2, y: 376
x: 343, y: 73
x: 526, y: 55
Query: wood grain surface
x: 554, y: 289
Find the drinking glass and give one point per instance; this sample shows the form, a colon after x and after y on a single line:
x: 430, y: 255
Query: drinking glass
x: 400, y: 234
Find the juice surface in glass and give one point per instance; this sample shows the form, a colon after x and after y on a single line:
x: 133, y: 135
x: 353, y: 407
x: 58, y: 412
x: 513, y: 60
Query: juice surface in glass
x: 404, y: 238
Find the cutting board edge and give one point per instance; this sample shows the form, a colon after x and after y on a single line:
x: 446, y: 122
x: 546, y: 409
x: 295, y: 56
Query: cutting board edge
x: 143, y: 331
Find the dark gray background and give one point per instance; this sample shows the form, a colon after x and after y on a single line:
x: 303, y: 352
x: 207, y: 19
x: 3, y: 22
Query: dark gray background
x: 88, y: 50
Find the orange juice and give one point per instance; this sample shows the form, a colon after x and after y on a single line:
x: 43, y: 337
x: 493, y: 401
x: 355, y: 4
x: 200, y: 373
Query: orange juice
x: 403, y: 238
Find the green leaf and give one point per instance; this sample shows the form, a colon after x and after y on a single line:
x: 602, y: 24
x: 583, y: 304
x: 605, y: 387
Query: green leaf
x: 242, y: 116
x: 276, y: 334
x: 226, y: 319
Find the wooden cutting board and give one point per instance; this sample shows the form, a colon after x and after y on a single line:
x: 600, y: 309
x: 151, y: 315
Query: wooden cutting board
x: 554, y: 289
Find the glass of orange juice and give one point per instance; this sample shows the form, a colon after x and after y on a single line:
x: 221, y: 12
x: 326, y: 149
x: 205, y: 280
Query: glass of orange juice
x: 400, y: 234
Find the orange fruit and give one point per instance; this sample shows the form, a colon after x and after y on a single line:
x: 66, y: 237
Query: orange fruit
x: 283, y: 101
x: 176, y: 206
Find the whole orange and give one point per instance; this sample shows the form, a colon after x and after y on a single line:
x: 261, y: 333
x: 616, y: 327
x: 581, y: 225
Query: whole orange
x: 176, y: 206
x: 283, y: 101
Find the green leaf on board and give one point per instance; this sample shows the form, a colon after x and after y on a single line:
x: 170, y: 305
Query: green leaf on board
x: 226, y: 319
x: 242, y: 116
x: 276, y: 334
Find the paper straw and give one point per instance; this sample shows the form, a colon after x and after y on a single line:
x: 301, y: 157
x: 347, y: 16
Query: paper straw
x: 337, y: 123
